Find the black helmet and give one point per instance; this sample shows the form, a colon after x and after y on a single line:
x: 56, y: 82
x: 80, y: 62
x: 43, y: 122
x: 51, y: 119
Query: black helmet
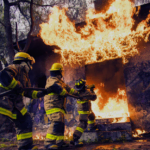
x: 79, y: 84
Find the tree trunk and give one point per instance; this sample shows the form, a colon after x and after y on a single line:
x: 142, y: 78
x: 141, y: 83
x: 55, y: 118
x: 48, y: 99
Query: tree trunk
x: 9, y: 43
x: 1, y: 65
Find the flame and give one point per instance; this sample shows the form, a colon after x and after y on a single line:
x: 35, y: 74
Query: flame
x: 38, y: 136
x: 105, y: 36
x: 68, y: 135
x: 116, y: 107
x: 39, y: 107
x: 137, y: 132
x: 119, y: 120
x: 102, y: 84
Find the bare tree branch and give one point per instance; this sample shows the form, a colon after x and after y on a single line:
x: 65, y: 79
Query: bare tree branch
x: 17, y: 2
x: 29, y: 37
x: 25, y: 16
x: 2, y: 23
x: 17, y: 38
x: 14, y: 3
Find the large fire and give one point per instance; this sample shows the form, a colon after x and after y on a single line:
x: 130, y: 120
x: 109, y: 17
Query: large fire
x: 116, y: 107
x: 105, y: 36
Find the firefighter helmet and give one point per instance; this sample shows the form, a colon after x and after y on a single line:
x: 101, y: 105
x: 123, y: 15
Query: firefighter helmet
x: 79, y: 84
x: 24, y: 57
x: 56, y: 67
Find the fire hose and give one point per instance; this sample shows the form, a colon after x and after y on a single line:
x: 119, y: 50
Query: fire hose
x: 6, y: 93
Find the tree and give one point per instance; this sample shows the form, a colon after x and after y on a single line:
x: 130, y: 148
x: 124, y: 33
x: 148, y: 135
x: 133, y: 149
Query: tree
x: 28, y: 12
x: 2, y: 37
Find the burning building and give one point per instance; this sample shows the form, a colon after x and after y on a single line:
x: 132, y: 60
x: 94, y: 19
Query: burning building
x: 110, y: 49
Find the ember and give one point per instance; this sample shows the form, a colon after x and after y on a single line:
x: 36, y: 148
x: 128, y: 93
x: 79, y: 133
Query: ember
x: 38, y: 136
x: 68, y: 135
x: 138, y: 132
x: 123, y: 119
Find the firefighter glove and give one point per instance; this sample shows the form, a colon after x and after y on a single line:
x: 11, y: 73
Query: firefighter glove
x: 18, y: 88
x: 41, y: 93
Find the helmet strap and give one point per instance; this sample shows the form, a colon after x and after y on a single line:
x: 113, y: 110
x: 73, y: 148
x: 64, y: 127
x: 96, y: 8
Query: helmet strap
x: 29, y: 65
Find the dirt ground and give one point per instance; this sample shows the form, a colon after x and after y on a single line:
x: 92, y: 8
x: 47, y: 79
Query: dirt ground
x: 133, y: 145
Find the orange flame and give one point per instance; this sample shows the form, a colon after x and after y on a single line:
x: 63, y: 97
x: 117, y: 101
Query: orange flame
x: 105, y: 36
x: 116, y: 107
x: 123, y: 119
x: 38, y: 137
x: 68, y: 134
x: 138, y: 132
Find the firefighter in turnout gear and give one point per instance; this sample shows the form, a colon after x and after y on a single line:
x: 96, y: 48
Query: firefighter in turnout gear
x: 15, y: 77
x: 54, y: 104
x: 86, y: 116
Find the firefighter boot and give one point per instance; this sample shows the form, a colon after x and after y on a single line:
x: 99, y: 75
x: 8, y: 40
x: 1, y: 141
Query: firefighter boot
x: 33, y: 147
x: 62, y: 144
x: 51, y: 147
x: 76, y: 143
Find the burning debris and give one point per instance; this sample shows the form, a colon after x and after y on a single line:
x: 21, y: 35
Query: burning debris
x: 105, y: 36
x: 138, y: 133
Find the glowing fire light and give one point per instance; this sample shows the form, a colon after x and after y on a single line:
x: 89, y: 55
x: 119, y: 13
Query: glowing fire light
x: 138, y: 132
x: 38, y: 137
x: 123, y: 119
x: 116, y: 107
x: 105, y: 36
x: 68, y: 135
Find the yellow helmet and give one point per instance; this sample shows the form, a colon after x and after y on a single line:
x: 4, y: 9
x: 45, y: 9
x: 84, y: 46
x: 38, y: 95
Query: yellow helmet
x: 24, y: 56
x: 56, y: 67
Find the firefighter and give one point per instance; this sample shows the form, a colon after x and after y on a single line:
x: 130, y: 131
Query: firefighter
x: 15, y: 77
x: 54, y: 104
x: 86, y: 116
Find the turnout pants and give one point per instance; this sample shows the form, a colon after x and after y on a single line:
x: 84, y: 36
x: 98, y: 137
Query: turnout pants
x: 23, y: 126
x: 85, y: 120
x: 55, y: 132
